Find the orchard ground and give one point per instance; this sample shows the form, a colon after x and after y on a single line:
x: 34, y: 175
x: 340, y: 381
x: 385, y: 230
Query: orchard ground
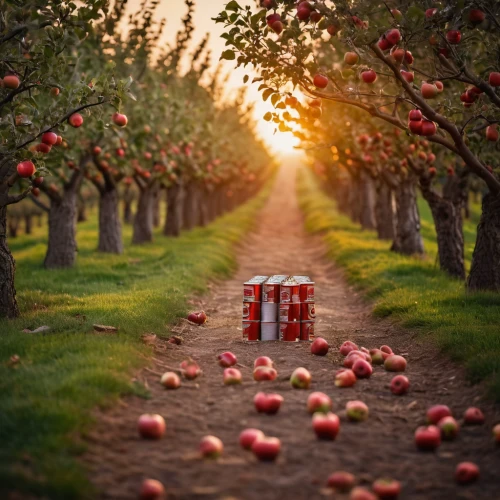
x: 118, y: 459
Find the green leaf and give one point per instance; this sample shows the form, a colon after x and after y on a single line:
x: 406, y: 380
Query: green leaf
x: 268, y: 116
x: 229, y: 55
x: 233, y: 6
x: 267, y: 93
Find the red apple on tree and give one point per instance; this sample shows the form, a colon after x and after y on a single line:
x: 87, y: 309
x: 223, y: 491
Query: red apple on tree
x: 492, y: 133
x: 76, y: 120
x: 119, y: 119
x: 49, y: 138
x: 453, y: 37
x: 320, y: 81
x: 318, y: 402
x: 151, y: 426
x: 494, y: 79
x: 11, y: 82
x: 476, y: 16
x: 248, y: 436
x: 369, y: 76
x: 428, y: 90
x: 351, y: 58
x: 326, y: 426
x: 25, y: 168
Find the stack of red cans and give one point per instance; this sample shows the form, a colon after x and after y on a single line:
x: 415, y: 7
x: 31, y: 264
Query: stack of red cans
x: 278, y: 308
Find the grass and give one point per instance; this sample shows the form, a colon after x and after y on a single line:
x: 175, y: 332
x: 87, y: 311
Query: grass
x: 413, y: 290
x: 46, y: 401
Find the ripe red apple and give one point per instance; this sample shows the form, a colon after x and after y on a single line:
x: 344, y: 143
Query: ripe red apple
x: 345, y: 378
x: 291, y: 101
x: 413, y: 115
x: 350, y: 359
x: 393, y: 36
x: 494, y: 79
x: 49, y: 138
x: 415, y: 126
x: 248, y: 436
x: 400, y: 385
x: 316, y: 16
x: 170, y: 380
x: 397, y: 14
x: 409, y: 76
x: 362, y: 369
x: 326, y: 426
x: 387, y: 489
x: 11, y: 82
x: 369, y: 76
x: 430, y: 12
x: 351, y: 58
x: 151, y: 489
x: 211, y: 447
x: 439, y: 85
x: 466, y: 472
x: 398, y: 54
x: 357, y: 411
x: 386, y: 348
x: 319, y: 347
x: 191, y: 369
x: 436, y: 413
x: 332, y: 30
x: 266, y: 448
x: 267, y: 403
x: 54, y: 91
x: 303, y: 13
x: 120, y: 152
x: 496, y: 433
x: 384, y: 44
x: 377, y: 356
x: 38, y: 181
x: 427, y: 438
x: 227, y: 359
x: 196, y: 317
x: 341, y: 481
x: 347, y: 347
x: 492, y: 133
x: 119, y: 119
x: 300, y: 379
x: 35, y: 192
x: 97, y: 150
x: 359, y: 493
x: 76, y: 120
x: 428, y: 90
x: 263, y: 361
x: 409, y: 57
x: 320, y: 81
x: 453, y: 37
x: 262, y: 373
x: 428, y: 128
x: 318, y: 402
x: 151, y: 426
x: 448, y: 427
x: 25, y: 168
x: 476, y: 16
x: 473, y: 416
x: 232, y: 376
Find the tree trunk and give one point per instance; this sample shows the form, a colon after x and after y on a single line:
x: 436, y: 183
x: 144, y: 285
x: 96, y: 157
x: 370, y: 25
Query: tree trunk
x: 13, y: 227
x: 28, y: 223
x: 81, y: 211
x: 173, y: 221
x: 61, y: 251
x: 156, y: 207
x: 353, y: 199
x: 191, y: 211
x: 143, y: 220
x: 8, y: 303
x: 367, y: 201
x: 127, y: 212
x: 40, y: 221
x: 384, y: 212
x: 408, y: 239
x: 485, y: 268
x: 110, y: 228
x: 203, y: 206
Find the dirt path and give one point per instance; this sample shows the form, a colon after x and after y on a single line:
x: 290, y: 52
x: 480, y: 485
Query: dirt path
x: 382, y: 446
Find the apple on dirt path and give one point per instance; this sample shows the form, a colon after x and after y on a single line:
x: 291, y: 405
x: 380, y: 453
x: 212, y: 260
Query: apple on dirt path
x: 248, y: 436
x: 466, y: 472
x: 170, y: 380
x: 386, y: 488
x: 300, y: 379
x: 319, y: 347
x: 266, y: 448
x: 400, y: 385
x: 345, y: 378
x: 232, y: 376
x: 473, y: 416
x: 427, y: 438
x: 319, y: 402
x: 436, y: 413
x: 326, y: 426
x: 377, y: 356
x: 359, y: 493
x: 190, y: 368
x: 211, y: 447
x: 340, y: 480
x: 151, y: 489
x: 267, y: 403
x: 347, y: 347
x: 362, y: 369
x: 357, y: 411
x: 264, y: 373
x: 449, y: 428
x: 227, y: 359
x: 395, y: 363
x: 151, y: 426
x: 198, y: 318
x: 263, y: 361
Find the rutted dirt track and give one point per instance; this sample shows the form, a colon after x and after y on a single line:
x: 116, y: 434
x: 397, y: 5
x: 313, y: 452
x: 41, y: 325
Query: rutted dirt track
x: 382, y: 446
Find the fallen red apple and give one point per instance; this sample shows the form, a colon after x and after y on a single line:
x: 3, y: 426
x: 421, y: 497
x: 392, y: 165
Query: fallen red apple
x: 151, y: 426
x: 473, y: 416
x: 190, y: 368
x: 319, y: 347
x: 232, y: 376
x: 248, y: 436
x: 496, y: 433
x: 377, y: 356
x: 326, y: 426
x: 400, y: 385
x: 170, y: 380
x: 263, y: 361
x: 227, y: 359
x: 356, y: 411
x: 436, y: 413
x: 362, y: 369
x: 318, y: 402
x: 386, y: 489
x: 427, y: 438
x: 449, y: 428
x: 395, y: 363
x: 211, y: 447
x: 266, y: 448
x: 341, y: 481
x: 151, y: 489
x: 360, y: 493
x: 386, y: 348
x: 263, y: 373
x: 199, y: 318
x: 267, y: 403
x: 466, y: 472
x: 345, y: 378
x: 347, y: 347
x: 300, y: 379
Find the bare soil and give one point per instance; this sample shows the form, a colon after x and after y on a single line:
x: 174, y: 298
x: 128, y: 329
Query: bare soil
x: 383, y: 446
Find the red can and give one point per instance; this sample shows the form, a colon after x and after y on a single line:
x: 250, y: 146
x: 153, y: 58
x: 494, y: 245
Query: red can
x: 289, y: 292
x: 251, y: 331
x: 307, y: 330
x: 307, y: 311
x: 251, y: 311
x: 271, y: 292
x: 289, y: 312
x: 290, y: 332
x: 307, y: 292
x: 252, y: 289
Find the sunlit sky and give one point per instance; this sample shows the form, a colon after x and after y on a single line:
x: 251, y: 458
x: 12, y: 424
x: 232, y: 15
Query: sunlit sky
x: 174, y: 11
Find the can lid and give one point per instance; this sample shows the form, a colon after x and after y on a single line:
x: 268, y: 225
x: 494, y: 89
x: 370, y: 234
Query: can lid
x: 290, y: 281
x: 276, y: 279
x: 306, y: 282
x: 256, y: 280
x: 302, y: 279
